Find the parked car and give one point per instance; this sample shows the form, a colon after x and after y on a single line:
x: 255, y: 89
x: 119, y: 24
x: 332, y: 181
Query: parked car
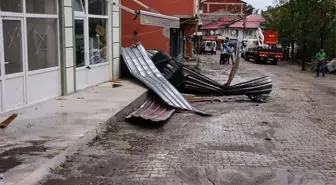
x: 208, y: 47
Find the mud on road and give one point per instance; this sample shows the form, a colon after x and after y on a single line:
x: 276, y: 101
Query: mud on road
x: 291, y: 140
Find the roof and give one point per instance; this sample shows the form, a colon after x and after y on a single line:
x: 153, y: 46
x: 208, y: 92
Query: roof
x: 217, y: 24
x: 252, y: 21
x: 211, y: 38
x: 143, y: 68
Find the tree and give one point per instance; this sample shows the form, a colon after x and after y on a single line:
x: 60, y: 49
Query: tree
x: 250, y: 9
x: 310, y: 24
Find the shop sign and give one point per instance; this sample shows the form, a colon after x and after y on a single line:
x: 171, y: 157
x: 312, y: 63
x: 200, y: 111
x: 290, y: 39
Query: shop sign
x: 154, y: 19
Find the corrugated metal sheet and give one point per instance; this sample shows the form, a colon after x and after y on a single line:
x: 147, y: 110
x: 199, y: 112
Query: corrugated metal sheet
x: 195, y: 83
x: 143, y: 68
x: 153, y: 110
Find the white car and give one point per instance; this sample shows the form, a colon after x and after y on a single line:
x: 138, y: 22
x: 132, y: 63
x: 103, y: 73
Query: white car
x: 209, y: 47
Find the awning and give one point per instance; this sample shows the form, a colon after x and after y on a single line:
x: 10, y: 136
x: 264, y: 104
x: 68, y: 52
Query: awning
x: 211, y: 38
x: 151, y: 18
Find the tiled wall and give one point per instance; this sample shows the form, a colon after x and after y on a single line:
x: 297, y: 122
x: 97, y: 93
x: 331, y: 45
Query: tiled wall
x: 69, y: 45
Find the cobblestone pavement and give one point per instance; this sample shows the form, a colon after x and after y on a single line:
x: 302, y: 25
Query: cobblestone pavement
x: 291, y: 140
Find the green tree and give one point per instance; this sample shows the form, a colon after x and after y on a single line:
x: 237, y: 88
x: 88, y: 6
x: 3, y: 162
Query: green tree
x: 308, y: 23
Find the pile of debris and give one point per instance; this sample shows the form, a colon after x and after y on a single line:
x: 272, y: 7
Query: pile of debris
x: 168, y: 78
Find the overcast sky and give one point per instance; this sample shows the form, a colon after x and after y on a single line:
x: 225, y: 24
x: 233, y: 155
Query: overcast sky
x: 260, y: 4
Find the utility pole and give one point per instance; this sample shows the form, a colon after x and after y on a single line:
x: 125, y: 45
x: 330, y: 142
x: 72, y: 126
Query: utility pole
x: 198, y: 40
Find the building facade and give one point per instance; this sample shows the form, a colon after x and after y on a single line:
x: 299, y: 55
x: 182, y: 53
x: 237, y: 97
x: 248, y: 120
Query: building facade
x: 50, y: 48
x: 170, y: 40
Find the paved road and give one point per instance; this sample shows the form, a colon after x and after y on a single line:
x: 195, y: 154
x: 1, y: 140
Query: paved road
x: 291, y: 140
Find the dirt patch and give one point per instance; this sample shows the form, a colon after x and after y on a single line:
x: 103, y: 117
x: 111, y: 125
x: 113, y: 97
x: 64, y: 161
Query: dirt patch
x: 260, y: 148
x: 9, y: 160
x: 139, y: 144
x: 37, y: 142
x: 28, y: 150
x: 78, y: 180
x: 270, y: 124
x: 7, y: 163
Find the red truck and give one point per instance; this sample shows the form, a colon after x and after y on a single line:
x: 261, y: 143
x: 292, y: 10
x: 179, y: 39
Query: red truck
x: 266, y: 50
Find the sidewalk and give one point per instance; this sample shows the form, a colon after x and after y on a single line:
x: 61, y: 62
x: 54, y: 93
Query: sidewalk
x: 43, y: 135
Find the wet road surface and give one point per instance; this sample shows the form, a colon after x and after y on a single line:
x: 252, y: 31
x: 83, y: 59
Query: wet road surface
x: 291, y: 140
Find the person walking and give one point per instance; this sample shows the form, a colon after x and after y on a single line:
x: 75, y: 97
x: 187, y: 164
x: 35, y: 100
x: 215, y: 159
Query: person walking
x: 321, y: 61
x: 230, y: 53
x: 223, y: 52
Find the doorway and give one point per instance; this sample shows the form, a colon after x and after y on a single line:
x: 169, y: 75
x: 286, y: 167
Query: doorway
x: 13, y: 79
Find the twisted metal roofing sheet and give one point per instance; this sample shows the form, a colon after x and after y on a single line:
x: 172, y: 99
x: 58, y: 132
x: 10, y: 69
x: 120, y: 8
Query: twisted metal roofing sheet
x: 143, y: 68
x: 153, y: 110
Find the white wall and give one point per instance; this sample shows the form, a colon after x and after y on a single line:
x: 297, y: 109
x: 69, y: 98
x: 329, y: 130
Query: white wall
x: 114, y: 44
x: 248, y: 33
x: 69, y: 58
x: 116, y: 33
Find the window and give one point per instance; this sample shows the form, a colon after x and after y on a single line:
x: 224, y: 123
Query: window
x: 95, y: 19
x: 41, y: 6
x: 11, y: 5
x: 97, y: 7
x: 79, y: 5
x: 79, y: 47
x: 12, y: 46
x: 42, y: 43
x: 97, y: 40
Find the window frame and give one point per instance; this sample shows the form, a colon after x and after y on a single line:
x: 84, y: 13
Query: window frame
x: 86, y: 16
x: 24, y: 15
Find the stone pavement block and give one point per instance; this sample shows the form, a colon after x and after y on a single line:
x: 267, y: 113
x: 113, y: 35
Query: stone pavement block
x: 290, y: 137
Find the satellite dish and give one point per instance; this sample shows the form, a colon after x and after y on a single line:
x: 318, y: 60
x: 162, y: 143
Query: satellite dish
x: 234, y: 33
x: 212, y: 32
x: 217, y: 32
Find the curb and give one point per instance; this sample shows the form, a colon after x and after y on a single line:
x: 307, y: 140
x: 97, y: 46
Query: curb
x: 39, y: 174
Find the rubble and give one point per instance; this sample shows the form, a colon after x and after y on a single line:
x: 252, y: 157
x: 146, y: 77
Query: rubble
x: 169, y: 78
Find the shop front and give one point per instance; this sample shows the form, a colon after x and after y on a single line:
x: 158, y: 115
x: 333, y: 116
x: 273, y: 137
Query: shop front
x: 50, y: 48
x: 91, y: 42
x: 29, y: 52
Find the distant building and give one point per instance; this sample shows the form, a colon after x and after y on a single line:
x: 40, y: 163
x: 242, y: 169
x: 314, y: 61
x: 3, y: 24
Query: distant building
x: 226, y: 27
x: 173, y: 41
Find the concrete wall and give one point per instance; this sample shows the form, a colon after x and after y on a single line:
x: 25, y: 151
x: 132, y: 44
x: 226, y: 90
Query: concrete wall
x: 218, y: 7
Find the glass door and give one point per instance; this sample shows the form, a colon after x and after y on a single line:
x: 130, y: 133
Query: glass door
x: 12, y: 63
x: 81, y: 58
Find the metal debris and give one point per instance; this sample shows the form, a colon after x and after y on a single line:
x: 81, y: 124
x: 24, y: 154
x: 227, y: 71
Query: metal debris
x: 189, y: 81
x: 8, y: 121
x: 153, y: 110
x: 168, y: 78
x: 143, y: 68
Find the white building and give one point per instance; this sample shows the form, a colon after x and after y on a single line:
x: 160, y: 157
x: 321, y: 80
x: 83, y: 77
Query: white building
x: 252, y: 23
x: 50, y: 48
x: 227, y: 27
